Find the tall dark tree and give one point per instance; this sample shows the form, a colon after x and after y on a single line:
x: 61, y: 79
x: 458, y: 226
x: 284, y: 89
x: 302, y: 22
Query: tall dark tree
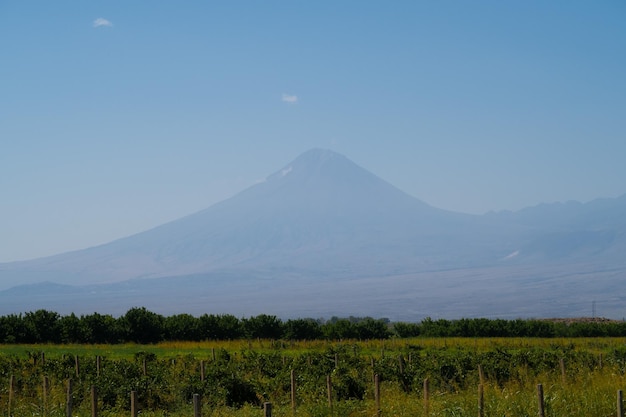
x: 142, y: 326
x: 302, y: 329
x: 72, y: 329
x: 220, y: 327
x: 340, y: 329
x: 369, y: 329
x: 102, y: 329
x: 405, y: 330
x: 263, y: 326
x: 43, y: 327
x: 12, y: 329
x: 183, y: 327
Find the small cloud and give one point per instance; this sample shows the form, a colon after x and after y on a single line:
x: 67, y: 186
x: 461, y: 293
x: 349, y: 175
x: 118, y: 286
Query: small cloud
x: 100, y: 22
x: 290, y: 98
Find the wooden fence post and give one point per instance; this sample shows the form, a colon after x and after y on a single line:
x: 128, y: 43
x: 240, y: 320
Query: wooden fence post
x: 69, y: 403
x: 44, y: 392
x: 377, y: 393
x: 426, y: 397
x: 540, y: 400
x: 213, y: 353
x: 267, y: 409
x: 94, y: 401
x: 197, y: 406
x: 293, y: 391
x: 201, y: 371
x: 11, y: 392
x: 329, y: 389
x: 481, y: 401
x: 481, y: 375
x: 401, y: 365
x: 98, y: 364
x: 77, y: 366
x: 133, y: 404
x: 620, y: 404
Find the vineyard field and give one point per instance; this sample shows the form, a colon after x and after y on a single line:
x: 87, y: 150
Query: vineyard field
x: 417, y: 377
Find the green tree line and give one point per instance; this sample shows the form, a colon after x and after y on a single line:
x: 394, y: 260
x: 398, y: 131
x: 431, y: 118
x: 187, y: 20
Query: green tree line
x: 140, y: 325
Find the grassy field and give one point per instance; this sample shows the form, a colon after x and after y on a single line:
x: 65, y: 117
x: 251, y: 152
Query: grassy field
x: 580, y: 377
x: 371, y: 347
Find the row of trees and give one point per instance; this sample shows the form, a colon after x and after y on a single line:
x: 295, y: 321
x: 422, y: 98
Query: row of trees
x: 140, y: 325
x: 481, y: 327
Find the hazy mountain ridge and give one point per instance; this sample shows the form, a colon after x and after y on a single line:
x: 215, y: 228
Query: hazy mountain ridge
x: 601, y: 213
x: 323, y: 219
x: 574, y: 229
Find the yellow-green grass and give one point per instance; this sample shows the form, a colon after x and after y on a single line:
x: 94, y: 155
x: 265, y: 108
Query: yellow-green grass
x: 373, y: 348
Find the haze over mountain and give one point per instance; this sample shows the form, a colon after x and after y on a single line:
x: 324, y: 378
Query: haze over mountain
x: 323, y: 236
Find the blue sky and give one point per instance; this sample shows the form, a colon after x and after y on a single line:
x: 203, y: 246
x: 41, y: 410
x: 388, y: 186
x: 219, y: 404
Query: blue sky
x: 118, y: 116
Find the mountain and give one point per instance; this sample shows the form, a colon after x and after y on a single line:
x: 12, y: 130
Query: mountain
x: 324, y: 230
x: 317, y: 213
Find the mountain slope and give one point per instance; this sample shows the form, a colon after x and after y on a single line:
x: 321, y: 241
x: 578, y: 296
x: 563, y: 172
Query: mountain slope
x: 321, y: 212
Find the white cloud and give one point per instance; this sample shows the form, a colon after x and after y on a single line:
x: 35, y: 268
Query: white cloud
x: 290, y: 98
x: 100, y: 22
